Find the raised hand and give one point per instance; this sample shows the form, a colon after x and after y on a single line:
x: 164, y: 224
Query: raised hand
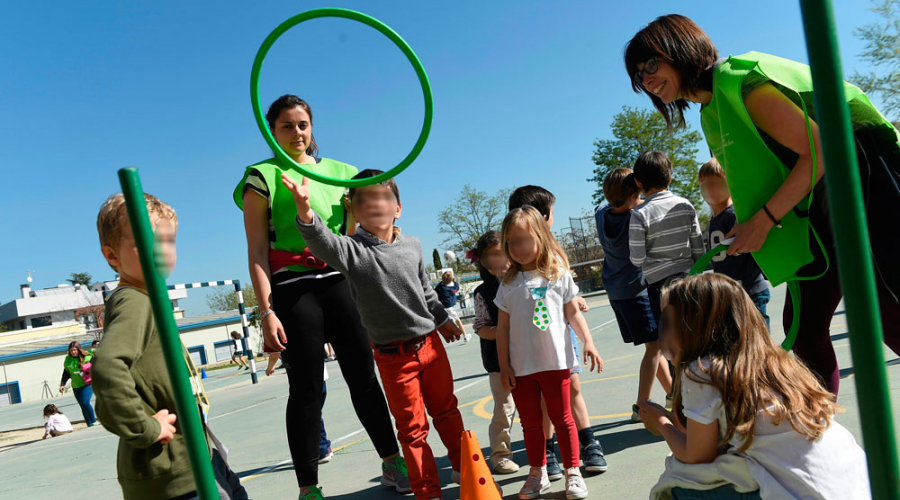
x: 301, y: 197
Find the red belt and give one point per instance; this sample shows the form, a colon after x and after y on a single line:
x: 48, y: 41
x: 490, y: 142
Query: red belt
x: 279, y: 259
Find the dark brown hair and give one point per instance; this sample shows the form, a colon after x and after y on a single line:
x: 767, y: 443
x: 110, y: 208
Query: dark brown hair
x: 81, y: 353
x: 51, y: 410
x: 486, y: 240
x: 687, y: 48
x: 726, y: 344
x: 289, y: 101
x: 235, y: 335
x: 653, y: 170
x: 371, y: 172
x: 619, y: 186
x: 536, y: 196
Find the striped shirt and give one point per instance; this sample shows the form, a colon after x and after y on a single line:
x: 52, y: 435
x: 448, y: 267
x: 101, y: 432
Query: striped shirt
x: 664, y: 236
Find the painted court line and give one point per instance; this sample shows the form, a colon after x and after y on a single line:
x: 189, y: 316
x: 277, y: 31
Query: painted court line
x: 604, y: 324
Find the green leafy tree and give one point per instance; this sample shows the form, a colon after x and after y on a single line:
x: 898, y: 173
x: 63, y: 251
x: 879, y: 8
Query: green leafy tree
x: 80, y: 279
x: 472, y: 214
x: 638, y: 130
x: 224, y: 299
x: 436, y: 259
x: 882, y: 55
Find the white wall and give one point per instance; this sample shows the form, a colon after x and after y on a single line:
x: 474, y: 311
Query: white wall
x: 32, y: 372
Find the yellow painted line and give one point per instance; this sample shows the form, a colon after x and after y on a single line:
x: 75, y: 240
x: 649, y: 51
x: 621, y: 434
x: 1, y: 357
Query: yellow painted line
x: 608, y: 378
x: 339, y: 448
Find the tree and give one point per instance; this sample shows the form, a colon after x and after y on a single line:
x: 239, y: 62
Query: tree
x: 640, y: 130
x: 80, y: 279
x: 224, y: 299
x: 882, y: 50
x: 472, y: 214
x: 436, y: 258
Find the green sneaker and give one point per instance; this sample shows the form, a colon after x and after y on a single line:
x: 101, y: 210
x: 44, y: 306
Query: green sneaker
x: 396, y: 475
x: 313, y: 493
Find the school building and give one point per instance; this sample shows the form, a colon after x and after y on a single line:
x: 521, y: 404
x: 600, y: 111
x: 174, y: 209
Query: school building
x: 41, y: 324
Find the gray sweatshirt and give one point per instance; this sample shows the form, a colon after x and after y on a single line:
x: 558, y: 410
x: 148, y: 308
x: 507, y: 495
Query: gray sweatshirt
x: 387, y: 280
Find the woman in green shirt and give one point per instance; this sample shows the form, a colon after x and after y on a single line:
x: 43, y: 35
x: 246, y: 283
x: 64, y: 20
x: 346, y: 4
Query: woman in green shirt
x: 758, y: 118
x: 304, y: 302
x: 77, y: 366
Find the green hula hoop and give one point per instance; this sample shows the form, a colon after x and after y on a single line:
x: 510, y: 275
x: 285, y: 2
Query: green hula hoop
x: 385, y: 30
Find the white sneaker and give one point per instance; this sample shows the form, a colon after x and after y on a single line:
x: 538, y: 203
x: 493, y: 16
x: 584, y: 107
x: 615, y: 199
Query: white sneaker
x: 537, y: 484
x: 575, y: 487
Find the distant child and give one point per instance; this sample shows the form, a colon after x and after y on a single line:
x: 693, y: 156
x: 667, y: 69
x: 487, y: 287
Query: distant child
x: 624, y: 282
x: 94, y: 345
x: 492, y: 265
x: 591, y: 451
x: 448, y: 293
x: 403, y: 317
x: 664, y: 234
x: 134, y: 395
x: 534, y: 347
x: 238, y: 355
x: 743, y: 267
x: 57, y: 423
x: 752, y: 421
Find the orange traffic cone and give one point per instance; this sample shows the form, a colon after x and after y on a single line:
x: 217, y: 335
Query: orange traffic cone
x: 476, y: 482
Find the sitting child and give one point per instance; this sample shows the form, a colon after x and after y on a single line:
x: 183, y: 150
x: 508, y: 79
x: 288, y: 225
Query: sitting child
x: 751, y: 421
x: 57, y: 423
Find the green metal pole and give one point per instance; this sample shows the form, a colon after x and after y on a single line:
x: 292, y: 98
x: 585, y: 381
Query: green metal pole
x: 853, y: 249
x: 185, y: 405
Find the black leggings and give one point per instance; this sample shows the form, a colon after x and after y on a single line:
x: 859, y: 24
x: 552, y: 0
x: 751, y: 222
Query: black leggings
x: 880, y: 173
x: 313, y: 312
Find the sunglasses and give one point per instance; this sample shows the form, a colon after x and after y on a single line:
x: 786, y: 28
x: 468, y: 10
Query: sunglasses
x: 650, y: 67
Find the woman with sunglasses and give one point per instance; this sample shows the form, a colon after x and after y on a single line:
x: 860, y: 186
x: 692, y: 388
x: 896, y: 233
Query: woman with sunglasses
x: 759, y: 121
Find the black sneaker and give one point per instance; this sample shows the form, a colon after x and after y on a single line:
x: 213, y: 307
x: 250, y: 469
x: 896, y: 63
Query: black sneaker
x: 554, y: 471
x: 592, y: 456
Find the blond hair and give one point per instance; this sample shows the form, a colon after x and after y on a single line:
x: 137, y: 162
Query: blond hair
x: 551, y: 260
x: 113, y: 217
x: 724, y: 332
x: 711, y: 169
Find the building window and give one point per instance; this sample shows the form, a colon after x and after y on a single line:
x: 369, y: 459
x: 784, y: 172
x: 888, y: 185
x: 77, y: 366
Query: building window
x: 41, y: 321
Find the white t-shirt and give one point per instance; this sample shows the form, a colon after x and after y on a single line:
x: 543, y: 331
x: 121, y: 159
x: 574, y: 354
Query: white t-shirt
x: 531, y: 349
x: 238, y: 349
x: 59, y: 423
x: 781, y: 460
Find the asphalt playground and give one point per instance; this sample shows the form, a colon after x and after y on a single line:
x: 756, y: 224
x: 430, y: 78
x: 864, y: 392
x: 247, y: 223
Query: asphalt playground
x: 250, y: 419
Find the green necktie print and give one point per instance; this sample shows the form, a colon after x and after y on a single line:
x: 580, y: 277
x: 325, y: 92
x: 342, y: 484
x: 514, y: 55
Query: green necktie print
x: 541, y: 317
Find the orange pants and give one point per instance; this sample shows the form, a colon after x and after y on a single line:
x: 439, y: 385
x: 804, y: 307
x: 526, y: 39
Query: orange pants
x: 417, y: 379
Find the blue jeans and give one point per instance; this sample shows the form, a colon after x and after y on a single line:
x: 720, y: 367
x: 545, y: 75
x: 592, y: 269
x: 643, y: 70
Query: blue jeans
x: 720, y: 493
x: 760, y: 300
x: 83, y: 395
x: 324, y: 443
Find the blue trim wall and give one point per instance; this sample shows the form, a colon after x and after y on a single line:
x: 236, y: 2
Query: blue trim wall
x: 202, y: 351
x: 87, y: 344
x: 15, y: 396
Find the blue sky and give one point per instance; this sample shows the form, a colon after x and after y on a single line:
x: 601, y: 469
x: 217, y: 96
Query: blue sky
x: 521, y: 90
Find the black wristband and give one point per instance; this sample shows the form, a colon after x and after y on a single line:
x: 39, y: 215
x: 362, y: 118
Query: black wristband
x: 775, y: 221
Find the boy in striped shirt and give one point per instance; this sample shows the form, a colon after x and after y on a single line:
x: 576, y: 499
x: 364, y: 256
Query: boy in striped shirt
x: 664, y: 235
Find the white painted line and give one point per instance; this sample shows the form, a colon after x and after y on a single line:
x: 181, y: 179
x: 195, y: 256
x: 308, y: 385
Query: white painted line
x: 347, y: 436
x: 604, y: 324
x: 469, y: 385
x: 247, y: 407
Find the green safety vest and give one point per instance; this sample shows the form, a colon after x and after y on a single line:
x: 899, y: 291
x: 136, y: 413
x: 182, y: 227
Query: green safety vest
x: 753, y: 171
x: 73, y: 366
x: 326, y: 200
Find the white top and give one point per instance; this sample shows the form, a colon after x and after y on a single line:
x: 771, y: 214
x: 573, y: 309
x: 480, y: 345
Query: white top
x: 237, y: 346
x: 59, y: 423
x: 783, y: 462
x: 531, y: 349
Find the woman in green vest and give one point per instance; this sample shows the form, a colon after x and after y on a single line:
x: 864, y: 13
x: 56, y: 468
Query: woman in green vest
x: 77, y: 366
x: 304, y: 302
x: 759, y: 121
